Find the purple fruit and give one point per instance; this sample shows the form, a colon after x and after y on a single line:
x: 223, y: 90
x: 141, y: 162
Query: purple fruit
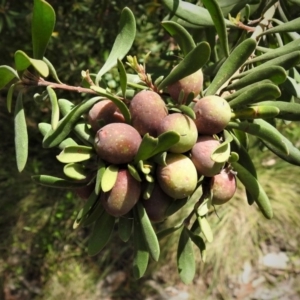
x: 117, y: 143
x: 192, y: 83
x: 123, y: 196
x: 201, y: 156
x: 104, y: 112
x: 184, y: 126
x: 213, y: 113
x: 156, y: 206
x: 147, y: 110
x: 178, y: 178
x: 223, y: 187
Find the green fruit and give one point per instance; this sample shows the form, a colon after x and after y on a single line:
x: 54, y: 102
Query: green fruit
x: 117, y: 143
x: 104, y: 112
x: 178, y: 178
x: 213, y: 113
x: 189, y: 84
x: 157, y: 205
x: 223, y: 187
x: 201, y: 156
x: 123, y: 196
x: 147, y: 109
x: 184, y: 126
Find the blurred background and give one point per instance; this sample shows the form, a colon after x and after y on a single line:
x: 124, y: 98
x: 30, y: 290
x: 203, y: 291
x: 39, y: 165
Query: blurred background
x: 43, y: 258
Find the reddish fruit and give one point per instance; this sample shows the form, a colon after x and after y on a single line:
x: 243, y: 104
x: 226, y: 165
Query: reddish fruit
x: 201, y: 156
x: 184, y: 126
x: 213, y: 113
x: 117, y: 143
x: 104, y: 112
x: 223, y: 187
x: 192, y: 83
x: 178, y: 178
x: 147, y: 109
x: 156, y: 206
x: 123, y: 196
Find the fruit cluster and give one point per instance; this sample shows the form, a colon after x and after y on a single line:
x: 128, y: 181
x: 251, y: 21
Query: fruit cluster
x: 157, y: 183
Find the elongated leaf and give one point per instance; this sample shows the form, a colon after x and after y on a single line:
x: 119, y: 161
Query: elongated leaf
x: 286, y: 61
x: 141, y: 253
x: 120, y: 104
x: 21, y: 135
x: 109, y: 178
x: 185, y: 257
x: 146, y: 148
x: 75, y: 171
x: 7, y: 74
x: 287, y: 110
x: 9, y: 96
x: 235, y: 60
x: 56, y: 182
x: 188, y: 111
x: 123, y: 77
x: 54, y: 106
x: 276, y: 74
x: 293, y: 25
x: 260, y: 92
x: 123, y: 42
x: 263, y: 130
x: 181, y: 36
x: 43, y: 21
x: 149, y: 233
x: 84, y: 132
x: 291, y: 87
x: 192, y: 62
x: 165, y: 141
x: 256, y: 190
x: 222, y: 152
x: 175, y: 206
x: 199, y: 242
x: 191, y: 13
x: 256, y: 112
x: 219, y: 22
x: 23, y: 61
x: 75, y: 154
x: 206, y: 229
x: 67, y: 123
x: 65, y: 106
x: 275, y: 53
x: 100, y: 172
x: 101, y: 234
x: 52, y: 70
x: 125, y: 227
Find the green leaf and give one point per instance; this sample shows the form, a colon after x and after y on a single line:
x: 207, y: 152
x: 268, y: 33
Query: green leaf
x: 23, y: 61
x: 68, y: 142
x: 292, y: 87
x: 43, y: 21
x: 101, y: 234
x: 84, y: 132
x: 185, y: 257
x: 54, y: 107
x: 293, y: 25
x: 192, y: 62
x: 191, y: 13
x: 118, y: 102
x: 67, y: 123
x: 123, y: 77
x: 276, y: 74
x: 167, y: 231
x: 56, y: 182
x: 21, y: 135
x: 93, y: 215
x: 260, y: 92
x: 175, y: 206
x: 222, y: 152
x: 199, y: 242
x: 141, y: 253
x: 99, y: 176
x: 206, y: 229
x: 9, y: 96
x: 72, y: 154
x: 256, y: 112
x: 125, y: 227
x: 263, y: 130
x: 123, y: 42
x: 109, y: 178
x: 75, y: 171
x: 65, y: 106
x: 181, y: 36
x: 52, y: 70
x: 146, y: 148
x: 287, y: 110
x: 235, y: 60
x: 219, y: 22
x: 165, y: 141
x: 7, y: 74
x: 149, y: 233
x: 134, y: 172
x: 275, y: 53
x: 255, y: 189
x: 188, y: 111
x: 286, y: 61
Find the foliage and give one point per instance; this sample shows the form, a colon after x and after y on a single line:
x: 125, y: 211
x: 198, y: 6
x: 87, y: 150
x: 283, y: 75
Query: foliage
x: 253, y: 65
